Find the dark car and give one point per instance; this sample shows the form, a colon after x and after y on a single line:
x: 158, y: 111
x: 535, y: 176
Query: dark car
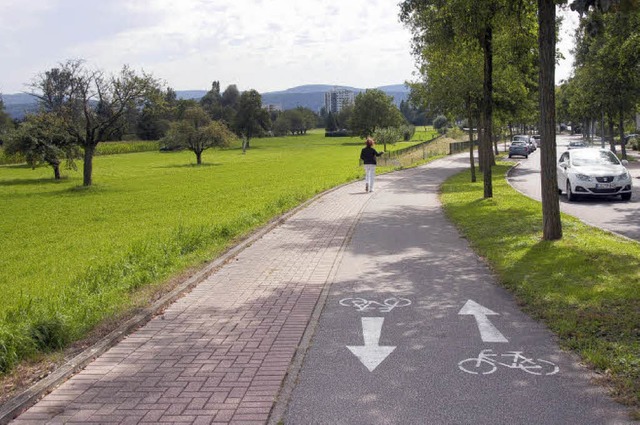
x: 519, y: 148
x: 577, y: 144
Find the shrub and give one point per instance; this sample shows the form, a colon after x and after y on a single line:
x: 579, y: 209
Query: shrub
x: 389, y: 135
x: 407, y: 132
x: 440, y: 123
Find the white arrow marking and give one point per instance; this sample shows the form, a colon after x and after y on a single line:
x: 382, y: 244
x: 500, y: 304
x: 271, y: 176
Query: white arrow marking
x: 371, y: 354
x: 488, y: 332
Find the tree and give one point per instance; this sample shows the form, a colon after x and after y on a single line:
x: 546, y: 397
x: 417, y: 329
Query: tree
x: 197, y: 132
x: 43, y: 139
x: 89, y: 103
x: 551, y: 223
x: 157, y: 112
x: 6, y: 124
x: 251, y: 120
x: 331, y: 123
x: 387, y: 135
x: 373, y: 109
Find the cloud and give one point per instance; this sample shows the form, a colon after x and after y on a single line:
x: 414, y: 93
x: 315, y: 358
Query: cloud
x: 259, y: 44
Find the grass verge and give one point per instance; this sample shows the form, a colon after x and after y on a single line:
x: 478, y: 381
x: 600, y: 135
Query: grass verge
x: 584, y: 287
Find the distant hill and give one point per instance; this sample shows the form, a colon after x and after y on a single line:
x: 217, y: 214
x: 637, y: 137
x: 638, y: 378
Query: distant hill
x: 309, y: 96
x: 19, y: 104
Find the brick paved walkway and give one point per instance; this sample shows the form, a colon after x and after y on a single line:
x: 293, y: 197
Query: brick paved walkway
x: 220, y: 353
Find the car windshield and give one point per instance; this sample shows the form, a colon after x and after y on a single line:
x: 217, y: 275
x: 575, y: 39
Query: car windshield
x: 520, y: 138
x: 593, y: 157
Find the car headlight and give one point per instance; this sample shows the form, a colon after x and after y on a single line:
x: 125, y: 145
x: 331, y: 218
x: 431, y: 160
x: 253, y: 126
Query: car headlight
x: 583, y: 177
x: 624, y: 176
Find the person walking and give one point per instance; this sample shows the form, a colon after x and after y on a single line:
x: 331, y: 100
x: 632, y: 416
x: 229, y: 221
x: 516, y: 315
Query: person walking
x: 368, y: 156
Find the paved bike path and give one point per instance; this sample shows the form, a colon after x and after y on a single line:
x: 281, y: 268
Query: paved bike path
x: 222, y: 352
x: 405, y: 277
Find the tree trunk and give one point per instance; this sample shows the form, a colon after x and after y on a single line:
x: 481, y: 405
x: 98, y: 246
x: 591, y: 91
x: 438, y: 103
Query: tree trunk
x: 89, y: 150
x: 56, y: 171
x: 623, y: 147
x: 552, y: 225
x: 199, y: 157
x: 612, y: 141
x: 487, y: 110
x: 480, y: 145
x: 471, y: 159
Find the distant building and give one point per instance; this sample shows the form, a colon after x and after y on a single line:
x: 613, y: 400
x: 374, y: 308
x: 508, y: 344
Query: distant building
x: 337, y: 99
x: 271, y: 107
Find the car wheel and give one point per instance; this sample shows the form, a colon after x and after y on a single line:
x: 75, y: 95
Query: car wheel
x: 625, y: 196
x: 570, y: 196
x: 526, y: 156
x: 509, y: 156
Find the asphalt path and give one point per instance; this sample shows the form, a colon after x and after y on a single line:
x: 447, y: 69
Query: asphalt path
x: 609, y: 213
x: 405, y: 313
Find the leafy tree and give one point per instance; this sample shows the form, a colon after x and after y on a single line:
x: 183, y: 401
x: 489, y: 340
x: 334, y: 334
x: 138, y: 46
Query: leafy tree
x: 158, y: 111
x: 211, y: 102
x: 608, y: 62
x: 6, y: 124
x: 343, y: 118
x: 231, y: 96
x: 43, y: 139
x: 387, y: 135
x: 281, y: 125
x: 331, y: 123
x: 197, y: 132
x: 91, y: 104
x: 372, y: 110
x: 251, y: 120
x: 440, y: 123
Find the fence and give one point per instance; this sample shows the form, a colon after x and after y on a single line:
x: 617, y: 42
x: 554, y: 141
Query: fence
x: 456, y: 147
x: 421, y: 151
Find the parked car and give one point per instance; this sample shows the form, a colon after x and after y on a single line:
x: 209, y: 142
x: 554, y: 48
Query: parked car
x: 630, y: 137
x: 519, y: 148
x: 527, y: 139
x: 577, y: 144
x: 537, y: 139
x: 593, y: 172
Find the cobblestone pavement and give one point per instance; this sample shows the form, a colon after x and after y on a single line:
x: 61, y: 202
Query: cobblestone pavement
x: 221, y: 353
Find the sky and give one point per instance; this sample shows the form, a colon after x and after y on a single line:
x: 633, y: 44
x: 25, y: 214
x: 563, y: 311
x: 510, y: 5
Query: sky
x: 266, y: 45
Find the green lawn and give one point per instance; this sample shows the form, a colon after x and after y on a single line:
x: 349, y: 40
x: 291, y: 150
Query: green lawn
x: 73, y: 256
x: 585, y: 287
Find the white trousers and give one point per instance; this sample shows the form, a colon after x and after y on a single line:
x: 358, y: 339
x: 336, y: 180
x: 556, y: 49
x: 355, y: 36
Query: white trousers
x: 369, y: 175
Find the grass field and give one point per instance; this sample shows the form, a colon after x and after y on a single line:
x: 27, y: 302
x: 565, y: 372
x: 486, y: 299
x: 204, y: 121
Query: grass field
x: 72, y: 257
x: 585, y: 287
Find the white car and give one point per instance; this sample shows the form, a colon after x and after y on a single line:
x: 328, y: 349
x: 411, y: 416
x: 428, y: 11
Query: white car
x: 593, y: 172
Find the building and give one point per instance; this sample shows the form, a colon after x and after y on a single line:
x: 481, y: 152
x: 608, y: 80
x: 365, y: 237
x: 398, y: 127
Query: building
x: 272, y: 107
x: 337, y: 99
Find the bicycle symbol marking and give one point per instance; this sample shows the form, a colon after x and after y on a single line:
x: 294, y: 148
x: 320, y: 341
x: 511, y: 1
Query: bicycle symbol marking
x: 386, y: 306
x: 487, y: 363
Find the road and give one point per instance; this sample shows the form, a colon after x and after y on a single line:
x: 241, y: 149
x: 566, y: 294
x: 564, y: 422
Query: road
x: 409, y: 313
x: 611, y: 213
